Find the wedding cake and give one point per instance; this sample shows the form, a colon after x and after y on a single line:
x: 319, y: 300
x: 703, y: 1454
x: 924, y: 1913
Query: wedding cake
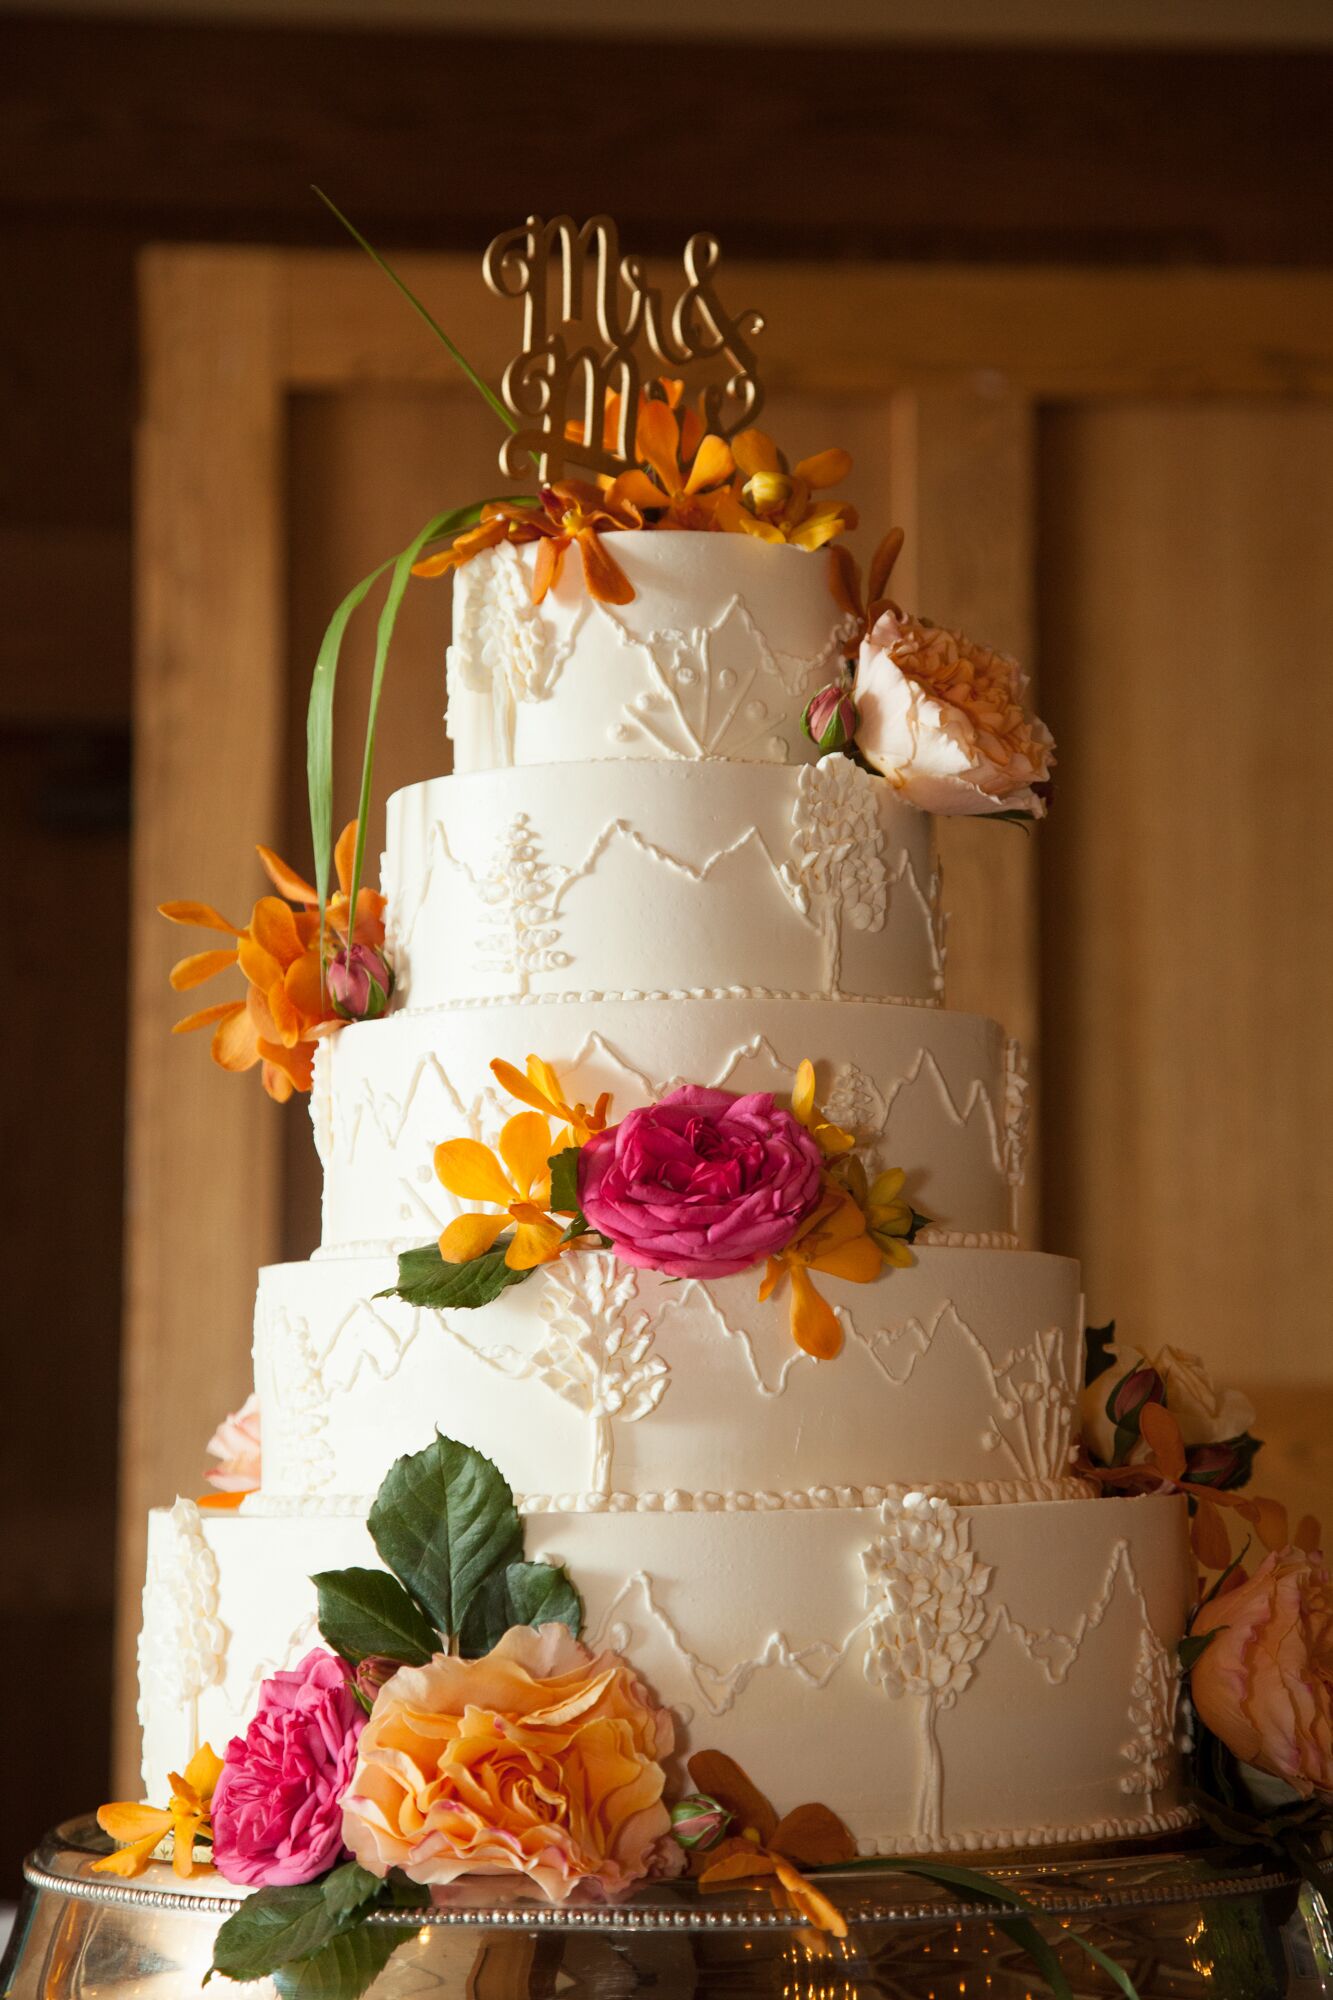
x: 866, y: 1569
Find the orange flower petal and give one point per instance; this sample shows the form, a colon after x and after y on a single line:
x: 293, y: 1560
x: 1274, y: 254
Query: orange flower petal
x: 128, y: 1861
x: 859, y: 1262
x: 284, y: 879
x: 236, y: 1045
x: 525, y: 1148
x: 826, y: 468
x: 634, y: 489
x: 202, y: 914
x: 738, y: 1866
x: 882, y: 562
x: 208, y: 1015
x: 260, y: 967
x: 277, y: 1083
x: 814, y: 1324
x: 546, y: 569
x: 1161, y: 1433
x: 712, y: 464
x: 201, y: 965
x: 471, y: 1171
x: 844, y: 581
x: 820, y: 525
x: 605, y: 579
x: 527, y: 1089
x: 344, y: 854
x: 825, y: 1916
x: 286, y: 1018
x: 304, y: 986
x: 469, y: 1236
x: 720, y: 1777
x: 273, y: 928
x: 295, y: 1065
x: 814, y: 1837
x: 657, y: 443
x: 126, y: 1820
x: 537, y: 1240
x: 755, y: 452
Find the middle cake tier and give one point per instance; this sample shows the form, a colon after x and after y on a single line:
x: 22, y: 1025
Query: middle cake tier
x: 605, y: 1387
x: 936, y: 1093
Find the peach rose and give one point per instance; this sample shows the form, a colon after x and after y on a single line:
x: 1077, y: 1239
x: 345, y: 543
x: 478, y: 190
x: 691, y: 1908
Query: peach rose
x: 1265, y: 1683
x: 236, y: 1443
x: 542, y: 1759
x: 948, y: 722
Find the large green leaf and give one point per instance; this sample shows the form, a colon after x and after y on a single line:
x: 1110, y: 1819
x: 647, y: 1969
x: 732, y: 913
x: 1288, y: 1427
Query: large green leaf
x: 344, y: 1967
x: 349, y: 1888
x: 521, y: 1594
x: 424, y: 1279
x: 275, y: 1925
x: 565, y: 1181
x: 367, y: 1611
x: 444, y: 1520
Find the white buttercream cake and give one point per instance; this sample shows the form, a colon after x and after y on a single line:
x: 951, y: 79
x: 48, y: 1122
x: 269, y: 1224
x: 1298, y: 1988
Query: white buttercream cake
x: 872, y: 1580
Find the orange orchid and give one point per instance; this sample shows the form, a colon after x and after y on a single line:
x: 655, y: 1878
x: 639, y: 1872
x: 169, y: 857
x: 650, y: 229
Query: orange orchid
x: 541, y: 1089
x: 845, y: 578
x: 140, y: 1829
x: 571, y: 512
x: 518, y: 1183
x: 811, y: 1836
x: 287, y: 1009
x: 835, y: 1239
x: 681, y: 499
x: 831, y: 1140
x: 667, y: 389
x: 776, y: 505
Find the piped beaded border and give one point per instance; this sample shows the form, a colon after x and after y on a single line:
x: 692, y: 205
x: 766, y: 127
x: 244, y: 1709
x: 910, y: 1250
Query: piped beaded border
x: 677, y: 1500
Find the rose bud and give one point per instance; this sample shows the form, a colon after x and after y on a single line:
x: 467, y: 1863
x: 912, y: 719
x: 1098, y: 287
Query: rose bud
x: 371, y: 1674
x: 1131, y: 1392
x: 1224, y: 1465
x: 360, y: 983
x: 830, y: 719
x: 699, y: 1822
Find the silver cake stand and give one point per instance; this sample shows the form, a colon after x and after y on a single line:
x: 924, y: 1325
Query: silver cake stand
x: 1182, y: 1920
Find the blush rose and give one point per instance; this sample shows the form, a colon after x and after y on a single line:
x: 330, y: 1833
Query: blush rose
x: 1264, y: 1684
x: 277, y: 1806
x: 542, y: 1759
x: 703, y: 1184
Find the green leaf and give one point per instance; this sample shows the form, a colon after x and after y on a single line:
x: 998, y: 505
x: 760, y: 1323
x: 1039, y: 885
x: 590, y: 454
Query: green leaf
x: 272, y: 1927
x: 565, y: 1181
x: 1194, y: 1644
x: 349, y: 1888
x: 365, y: 1611
x: 522, y: 1594
x: 482, y: 387
x: 424, y: 1279
x: 444, y: 1520
x: 405, y: 1895
x: 344, y: 1967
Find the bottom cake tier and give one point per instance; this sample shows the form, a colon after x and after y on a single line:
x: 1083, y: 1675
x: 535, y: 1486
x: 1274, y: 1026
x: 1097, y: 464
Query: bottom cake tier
x: 945, y: 1678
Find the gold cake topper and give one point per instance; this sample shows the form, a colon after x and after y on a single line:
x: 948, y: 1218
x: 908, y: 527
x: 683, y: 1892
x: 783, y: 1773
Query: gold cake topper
x: 559, y: 397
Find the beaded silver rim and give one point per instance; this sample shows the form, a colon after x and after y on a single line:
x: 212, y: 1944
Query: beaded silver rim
x: 695, y: 1915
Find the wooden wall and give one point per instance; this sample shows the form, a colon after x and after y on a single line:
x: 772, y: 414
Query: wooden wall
x: 117, y: 135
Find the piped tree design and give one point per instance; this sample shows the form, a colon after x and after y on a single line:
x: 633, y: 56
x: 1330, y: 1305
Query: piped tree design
x: 839, y: 845
x: 520, y: 890
x: 596, y: 1351
x: 928, y: 1622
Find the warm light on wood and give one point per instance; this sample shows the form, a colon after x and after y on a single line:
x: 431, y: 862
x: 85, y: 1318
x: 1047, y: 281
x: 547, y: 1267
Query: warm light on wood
x: 560, y: 394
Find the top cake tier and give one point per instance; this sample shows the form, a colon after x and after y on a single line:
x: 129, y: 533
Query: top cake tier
x: 716, y: 656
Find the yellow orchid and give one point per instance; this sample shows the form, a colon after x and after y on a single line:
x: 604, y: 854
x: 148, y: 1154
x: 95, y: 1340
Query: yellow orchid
x: 541, y: 1089
x: 681, y: 499
x: 141, y: 1828
x: 831, y: 1140
x: 834, y: 1239
x: 519, y: 1184
x: 775, y: 505
x: 892, y: 1221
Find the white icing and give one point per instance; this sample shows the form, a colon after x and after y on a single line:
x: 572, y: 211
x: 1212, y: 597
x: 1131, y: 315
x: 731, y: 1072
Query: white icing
x: 716, y: 656
x: 183, y: 1643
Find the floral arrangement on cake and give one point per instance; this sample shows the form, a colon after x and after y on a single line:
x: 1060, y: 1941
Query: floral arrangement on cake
x: 703, y: 1184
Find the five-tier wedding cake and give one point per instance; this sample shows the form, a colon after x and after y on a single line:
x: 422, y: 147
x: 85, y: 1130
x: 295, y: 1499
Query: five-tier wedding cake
x: 872, y: 1578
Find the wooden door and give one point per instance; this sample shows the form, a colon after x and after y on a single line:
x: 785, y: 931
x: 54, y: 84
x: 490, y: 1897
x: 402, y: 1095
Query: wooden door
x: 1123, y: 476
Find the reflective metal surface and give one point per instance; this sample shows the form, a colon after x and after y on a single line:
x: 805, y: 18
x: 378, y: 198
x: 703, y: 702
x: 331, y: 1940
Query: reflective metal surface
x: 1184, y: 1922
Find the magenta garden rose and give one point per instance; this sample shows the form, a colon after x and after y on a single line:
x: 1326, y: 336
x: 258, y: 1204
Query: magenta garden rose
x: 277, y: 1807
x: 702, y: 1184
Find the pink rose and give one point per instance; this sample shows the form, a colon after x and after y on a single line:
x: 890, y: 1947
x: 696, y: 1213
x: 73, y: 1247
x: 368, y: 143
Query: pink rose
x: 702, y: 1184
x: 277, y: 1807
x: 236, y: 1443
x: 1264, y: 1684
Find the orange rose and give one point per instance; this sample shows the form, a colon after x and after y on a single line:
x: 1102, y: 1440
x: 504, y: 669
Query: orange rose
x: 1265, y: 1683
x: 542, y: 1759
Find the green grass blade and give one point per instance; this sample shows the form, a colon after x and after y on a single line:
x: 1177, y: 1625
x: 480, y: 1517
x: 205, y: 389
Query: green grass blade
x: 483, y: 388
x: 319, y: 732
